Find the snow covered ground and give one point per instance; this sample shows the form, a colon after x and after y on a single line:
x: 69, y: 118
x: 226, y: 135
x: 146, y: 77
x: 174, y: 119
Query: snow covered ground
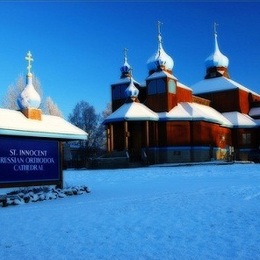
x: 187, y: 212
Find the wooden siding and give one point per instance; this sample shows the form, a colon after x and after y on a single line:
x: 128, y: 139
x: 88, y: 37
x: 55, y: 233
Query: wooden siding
x: 224, y: 101
x: 161, y: 102
x: 184, y: 95
x: 177, y: 133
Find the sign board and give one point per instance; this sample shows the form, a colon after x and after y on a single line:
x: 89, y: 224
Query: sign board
x: 29, y: 161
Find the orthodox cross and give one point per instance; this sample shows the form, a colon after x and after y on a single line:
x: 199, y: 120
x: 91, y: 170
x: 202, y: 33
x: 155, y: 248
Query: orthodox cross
x: 125, y: 53
x: 159, y: 27
x: 215, y: 27
x: 29, y: 59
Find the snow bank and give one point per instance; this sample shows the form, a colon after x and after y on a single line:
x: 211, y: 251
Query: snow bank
x: 187, y: 212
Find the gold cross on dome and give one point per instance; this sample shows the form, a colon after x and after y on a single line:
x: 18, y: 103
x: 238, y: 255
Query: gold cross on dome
x: 29, y: 59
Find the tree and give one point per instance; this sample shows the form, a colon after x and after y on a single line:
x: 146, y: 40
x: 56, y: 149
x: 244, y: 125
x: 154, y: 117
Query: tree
x: 51, y: 108
x: 107, y: 111
x: 10, y: 99
x: 85, y: 117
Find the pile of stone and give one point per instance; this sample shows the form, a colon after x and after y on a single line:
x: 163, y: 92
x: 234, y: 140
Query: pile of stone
x: 36, y: 194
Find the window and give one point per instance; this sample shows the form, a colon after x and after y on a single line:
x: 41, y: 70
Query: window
x: 160, y: 86
x: 152, y: 87
x: 156, y: 86
x: 172, y: 86
x: 246, y: 138
x: 118, y: 91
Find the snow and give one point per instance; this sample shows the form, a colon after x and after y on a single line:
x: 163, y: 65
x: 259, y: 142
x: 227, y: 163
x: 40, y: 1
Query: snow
x: 218, y: 84
x: 160, y: 58
x: 194, y: 111
x: 255, y: 111
x: 181, y: 85
x: 184, y: 212
x: 217, y: 59
x: 16, y: 124
x: 132, y: 111
x: 240, y: 120
x: 161, y: 74
x: 126, y: 80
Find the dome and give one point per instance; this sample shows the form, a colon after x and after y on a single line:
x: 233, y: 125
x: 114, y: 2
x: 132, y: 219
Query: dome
x: 29, y: 98
x: 216, y: 59
x: 160, y: 58
x: 131, y: 91
x: 126, y: 68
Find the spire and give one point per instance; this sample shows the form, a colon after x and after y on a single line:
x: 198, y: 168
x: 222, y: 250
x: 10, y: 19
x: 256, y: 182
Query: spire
x: 160, y: 60
x: 216, y: 62
x: 29, y: 98
x: 126, y: 68
x: 159, y: 35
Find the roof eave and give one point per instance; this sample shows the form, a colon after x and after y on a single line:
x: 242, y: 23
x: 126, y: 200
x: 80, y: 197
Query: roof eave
x: 61, y: 136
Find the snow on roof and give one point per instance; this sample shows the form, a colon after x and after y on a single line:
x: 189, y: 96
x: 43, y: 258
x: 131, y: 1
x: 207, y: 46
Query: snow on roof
x: 125, y: 80
x: 240, y: 120
x: 15, y: 123
x: 131, y: 112
x: 179, y: 84
x: 217, y: 84
x: 255, y: 111
x: 161, y: 74
x: 195, y: 112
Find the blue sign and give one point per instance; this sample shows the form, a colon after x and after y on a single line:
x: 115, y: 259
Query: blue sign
x: 28, y: 160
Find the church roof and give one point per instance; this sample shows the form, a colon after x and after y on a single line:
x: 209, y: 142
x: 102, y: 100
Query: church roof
x: 126, y: 80
x: 254, y: 111
x: 14, y: 123
x: 218, y: 84
x: 181, y: 85
x: 161, y: 74
x: 194, y: 112
x: 239, y: 120
x: 132, y: 111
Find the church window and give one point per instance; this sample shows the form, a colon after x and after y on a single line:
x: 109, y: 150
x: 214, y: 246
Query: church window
x: 152, y: 87
x: 172, y: 86
x: 156, y: 87
x: 246, y: 138
x: 118, y: 91
x: 160, y: 86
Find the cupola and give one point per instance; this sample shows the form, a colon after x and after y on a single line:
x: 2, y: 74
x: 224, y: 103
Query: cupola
x: 132, y: 91
x: 126, y: 68
x: 29, y: 100
x: 216, y: 63
x: 160, y: 60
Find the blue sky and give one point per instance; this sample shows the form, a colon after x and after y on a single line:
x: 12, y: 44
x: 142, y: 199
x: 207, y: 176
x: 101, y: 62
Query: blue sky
x: 77, y: 46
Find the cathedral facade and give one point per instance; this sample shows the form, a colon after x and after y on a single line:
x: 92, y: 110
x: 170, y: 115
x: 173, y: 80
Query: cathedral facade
x: 165, y: 121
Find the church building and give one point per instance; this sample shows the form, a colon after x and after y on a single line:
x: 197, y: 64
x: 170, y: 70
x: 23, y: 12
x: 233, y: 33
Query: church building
x: 165, y: 121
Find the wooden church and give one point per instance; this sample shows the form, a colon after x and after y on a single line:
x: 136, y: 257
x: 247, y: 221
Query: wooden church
x: 165, y: 121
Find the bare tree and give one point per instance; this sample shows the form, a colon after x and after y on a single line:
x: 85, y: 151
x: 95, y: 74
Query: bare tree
x: 107, y: 111
x: 51, y: 108
x: 10, y: 99
x: 85, y: 117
